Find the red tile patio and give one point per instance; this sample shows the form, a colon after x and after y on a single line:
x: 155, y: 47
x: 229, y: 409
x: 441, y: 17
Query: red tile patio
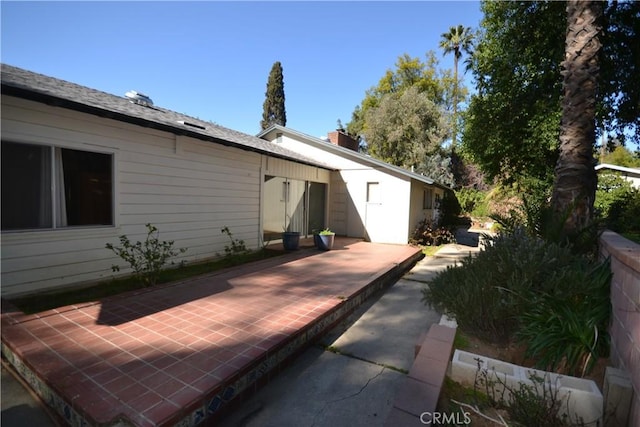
x: 180, y: 353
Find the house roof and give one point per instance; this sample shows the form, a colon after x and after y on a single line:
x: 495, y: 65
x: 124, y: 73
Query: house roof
x: 350, y: 154
x: 49, y: 90
x: 629, y: 171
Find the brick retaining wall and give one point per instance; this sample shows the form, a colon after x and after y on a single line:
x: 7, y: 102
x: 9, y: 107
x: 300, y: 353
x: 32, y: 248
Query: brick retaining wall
x: 625, y: 301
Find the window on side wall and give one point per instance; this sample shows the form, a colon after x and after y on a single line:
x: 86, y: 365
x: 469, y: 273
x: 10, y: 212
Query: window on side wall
x: 427, y: 198
x: 52, y: 187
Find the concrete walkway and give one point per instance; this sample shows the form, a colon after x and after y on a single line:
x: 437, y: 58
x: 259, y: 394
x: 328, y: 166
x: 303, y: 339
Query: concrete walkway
x: 351, y: 379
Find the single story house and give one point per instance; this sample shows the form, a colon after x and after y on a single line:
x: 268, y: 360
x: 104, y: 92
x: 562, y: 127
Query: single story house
x: 630, y: 174
x: 81, y: 167
x: 368, y: 198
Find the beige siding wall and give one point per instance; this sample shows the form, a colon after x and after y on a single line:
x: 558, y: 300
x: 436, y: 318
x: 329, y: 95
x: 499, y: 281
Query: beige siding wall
x: 418, y: 213
x: 286, y: 169
x: 188, y: 188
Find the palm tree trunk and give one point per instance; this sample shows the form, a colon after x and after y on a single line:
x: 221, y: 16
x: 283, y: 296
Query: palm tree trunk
x: 575, y: 177
x: 455, y: 100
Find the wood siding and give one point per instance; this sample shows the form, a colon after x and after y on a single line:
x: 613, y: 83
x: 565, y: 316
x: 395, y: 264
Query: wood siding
x: 188, y: 188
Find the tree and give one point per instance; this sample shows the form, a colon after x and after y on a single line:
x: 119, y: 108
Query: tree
x: 620, y: 156
x: 408, y: 72
x: 458, y: 40
x: 404, y: 128
x: 273, y: 111
x: 575, y: 178
x: 619, y: 111
x: 512, y: 125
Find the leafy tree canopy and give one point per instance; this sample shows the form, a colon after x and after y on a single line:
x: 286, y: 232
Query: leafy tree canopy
x: 436, y: 84
x: 621, y: 156
x: 406, y: 117
x: 512, y: 124
x: 404, y: 128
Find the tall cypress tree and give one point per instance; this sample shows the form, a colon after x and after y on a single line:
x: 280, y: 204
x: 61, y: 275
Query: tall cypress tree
x: 273, y: 107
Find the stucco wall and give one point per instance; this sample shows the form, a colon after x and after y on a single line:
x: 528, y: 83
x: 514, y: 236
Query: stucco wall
x: 625, y: 301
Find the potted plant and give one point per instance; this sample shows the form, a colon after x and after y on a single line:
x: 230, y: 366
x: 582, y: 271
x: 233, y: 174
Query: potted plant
x: 325, y: 239
x: 316, y: 237
x: 291, y: 240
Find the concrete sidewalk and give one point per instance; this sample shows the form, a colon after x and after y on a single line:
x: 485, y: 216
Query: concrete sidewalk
x: 351, y: 378
x: 20, y: 406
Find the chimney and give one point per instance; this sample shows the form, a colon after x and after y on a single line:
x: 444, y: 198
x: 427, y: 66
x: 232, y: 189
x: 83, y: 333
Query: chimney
x: 340, y: 138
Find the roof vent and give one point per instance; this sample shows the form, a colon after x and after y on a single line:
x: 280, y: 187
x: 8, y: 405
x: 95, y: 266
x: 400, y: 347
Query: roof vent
x: 193, y: 125
x: 139, y: 98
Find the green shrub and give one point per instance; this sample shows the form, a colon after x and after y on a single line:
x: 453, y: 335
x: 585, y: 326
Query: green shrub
x: 147, y: 258
x: 427, y: 233
x: 483, y: 292
x: 623, y: 215
x: 613, y: 192
x: 471, y: 199
x: 565, y: 327
x: 552, y: 299
x: 536, y: 216
x: 235, y: 247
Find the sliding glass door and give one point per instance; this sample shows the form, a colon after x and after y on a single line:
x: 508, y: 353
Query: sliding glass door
x: 292, y: 205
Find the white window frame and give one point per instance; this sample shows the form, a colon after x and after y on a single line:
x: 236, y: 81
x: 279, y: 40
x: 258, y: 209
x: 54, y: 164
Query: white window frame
x: 54, y: 190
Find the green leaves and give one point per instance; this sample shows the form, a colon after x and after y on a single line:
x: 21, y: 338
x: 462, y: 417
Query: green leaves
x: 273, y: 108
x: 147, y: 258
x: 566, y: 325
x: 521, y: 287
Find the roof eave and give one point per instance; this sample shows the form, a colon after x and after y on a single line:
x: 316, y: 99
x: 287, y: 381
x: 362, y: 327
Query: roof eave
x: 320, y: 143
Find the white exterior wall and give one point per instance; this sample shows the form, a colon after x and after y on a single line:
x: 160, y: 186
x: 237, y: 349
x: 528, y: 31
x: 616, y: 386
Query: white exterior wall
x: 386, y: 221
x: 633, y: 179
x: 383, y: 220
x: 188, y: 188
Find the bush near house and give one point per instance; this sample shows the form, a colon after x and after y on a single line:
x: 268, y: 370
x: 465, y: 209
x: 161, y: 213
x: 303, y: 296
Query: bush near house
x: 148, y: 258
x: 429, y: 233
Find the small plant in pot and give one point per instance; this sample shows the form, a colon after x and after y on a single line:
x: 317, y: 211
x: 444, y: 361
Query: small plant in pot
x: 325, y: 239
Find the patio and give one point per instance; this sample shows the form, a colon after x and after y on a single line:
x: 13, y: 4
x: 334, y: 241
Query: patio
x: 186, y: 352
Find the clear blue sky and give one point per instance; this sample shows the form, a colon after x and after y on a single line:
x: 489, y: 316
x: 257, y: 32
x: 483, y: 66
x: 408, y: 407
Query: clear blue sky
x: 211, y: 60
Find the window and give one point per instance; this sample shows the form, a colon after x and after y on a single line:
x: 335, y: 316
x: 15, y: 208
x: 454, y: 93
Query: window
x: 427, y: 201
x: 53, y: 187
x: 373, y: 192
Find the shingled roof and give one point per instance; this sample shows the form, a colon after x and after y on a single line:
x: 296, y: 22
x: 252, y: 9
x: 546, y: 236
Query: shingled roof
x: 49, y: 90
